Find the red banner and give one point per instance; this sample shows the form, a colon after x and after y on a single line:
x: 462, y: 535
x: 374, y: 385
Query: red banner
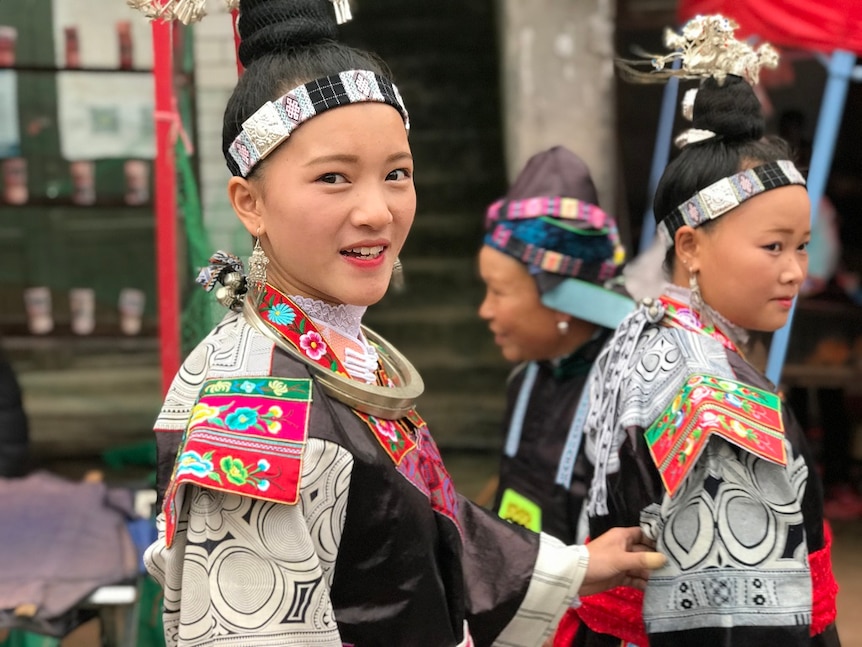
x: 816, y: 25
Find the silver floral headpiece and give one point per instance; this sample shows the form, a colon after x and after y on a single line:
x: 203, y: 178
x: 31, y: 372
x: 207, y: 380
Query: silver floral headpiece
x: 189, y: 11
x: 705, y: 47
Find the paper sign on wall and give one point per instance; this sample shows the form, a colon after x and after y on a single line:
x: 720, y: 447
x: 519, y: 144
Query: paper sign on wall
x: 10, y: 136
x: 105, y: 117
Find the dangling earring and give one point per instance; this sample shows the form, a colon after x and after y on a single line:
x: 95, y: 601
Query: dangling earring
x: 397, y: 279
x: 257, y: 263
x: 694, y: 287
x: 697, y: 302
x: 563, y: 328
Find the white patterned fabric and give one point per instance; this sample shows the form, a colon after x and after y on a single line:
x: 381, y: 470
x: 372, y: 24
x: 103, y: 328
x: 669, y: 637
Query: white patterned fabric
x: 738, y: 531
x: 558, y: 575
x: 344, y: 318
x: 731, y: 535
x: 241, y: 566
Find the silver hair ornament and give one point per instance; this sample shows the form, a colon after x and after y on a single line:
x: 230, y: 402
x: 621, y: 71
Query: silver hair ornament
x: 705, y: 47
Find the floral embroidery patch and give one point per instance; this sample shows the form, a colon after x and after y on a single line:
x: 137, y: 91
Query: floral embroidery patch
x: 312, y: 344
x: 246, y: 436
x: 292, y: 324
x: 424, y: 468
x: 743, y: 415
x: 683, y: 316
x: 393, y: 435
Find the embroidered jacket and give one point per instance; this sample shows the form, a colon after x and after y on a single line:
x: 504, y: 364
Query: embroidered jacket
x: 699, y: 450
x: 289, y: 518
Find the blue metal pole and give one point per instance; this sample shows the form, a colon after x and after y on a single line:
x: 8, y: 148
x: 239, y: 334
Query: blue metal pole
x: 840, y: 68
x: 660, y: 155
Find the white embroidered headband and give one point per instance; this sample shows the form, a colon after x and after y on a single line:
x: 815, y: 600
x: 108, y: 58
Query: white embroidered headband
x: 273, y: 122
x: 727, y: 194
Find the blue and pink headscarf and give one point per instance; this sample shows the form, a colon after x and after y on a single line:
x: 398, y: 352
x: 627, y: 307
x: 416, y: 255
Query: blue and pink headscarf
x: 550, y: 221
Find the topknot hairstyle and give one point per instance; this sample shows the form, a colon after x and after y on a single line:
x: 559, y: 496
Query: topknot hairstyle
x: 732, y: 111
x: 285, y: 43
x: 277, y: 26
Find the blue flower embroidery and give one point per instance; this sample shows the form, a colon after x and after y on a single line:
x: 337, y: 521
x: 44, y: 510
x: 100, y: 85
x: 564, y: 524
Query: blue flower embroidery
x: 280, y: 314
x: 191, y: 462
x: 241, y: 419
x: 248, y: 387
x: 733, y: 400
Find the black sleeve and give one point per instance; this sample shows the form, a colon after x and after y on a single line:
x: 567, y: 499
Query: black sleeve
x: 14, y: 432
x: 498, y: 561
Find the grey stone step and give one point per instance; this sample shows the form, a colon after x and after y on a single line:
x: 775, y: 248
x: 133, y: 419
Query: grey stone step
x: 446, y: 238
x: 83, y: 411
x: 56, y: 351
x: 452, y: 326
x: 432, y: 281
x: 464, y: 421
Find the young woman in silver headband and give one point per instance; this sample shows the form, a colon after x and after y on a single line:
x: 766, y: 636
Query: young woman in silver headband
x: 304, y: 500
x: 686, y: 436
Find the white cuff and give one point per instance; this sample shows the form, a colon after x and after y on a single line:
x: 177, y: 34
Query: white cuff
x: 557, y: 577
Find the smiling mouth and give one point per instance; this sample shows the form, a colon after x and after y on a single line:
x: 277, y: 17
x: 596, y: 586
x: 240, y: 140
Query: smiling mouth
x: 366, y: 253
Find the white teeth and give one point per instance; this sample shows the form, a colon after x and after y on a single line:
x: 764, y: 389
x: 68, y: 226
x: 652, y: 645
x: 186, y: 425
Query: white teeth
x: 367, y: 251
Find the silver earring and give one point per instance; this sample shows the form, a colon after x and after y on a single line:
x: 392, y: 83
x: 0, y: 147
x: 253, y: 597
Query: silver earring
x: 694, y: 287
x: 563, y: 328
x: 257, y: 263
x: 697, y: 302
x: 397, y: 280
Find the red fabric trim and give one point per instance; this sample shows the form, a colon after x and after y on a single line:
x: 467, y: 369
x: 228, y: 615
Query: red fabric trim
x: 824, y: 587
x: 566, y: 630
x: 817, y: 25
x: 618, y: 612
x: 166, y: 204
x: 234, y: 14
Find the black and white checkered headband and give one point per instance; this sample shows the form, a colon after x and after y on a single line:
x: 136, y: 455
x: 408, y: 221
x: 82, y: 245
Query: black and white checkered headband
x: 273, y: 122
x: 727, y: 194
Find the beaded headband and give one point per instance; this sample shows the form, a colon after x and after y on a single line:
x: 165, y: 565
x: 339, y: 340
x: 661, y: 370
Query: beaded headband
x: 564, y: 209
x: 727, y: 194
x: 273, y: 122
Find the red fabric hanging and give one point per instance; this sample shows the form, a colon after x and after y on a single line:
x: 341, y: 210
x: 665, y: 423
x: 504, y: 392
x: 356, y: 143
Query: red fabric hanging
x: 166, y: 201
x: 817, y: 25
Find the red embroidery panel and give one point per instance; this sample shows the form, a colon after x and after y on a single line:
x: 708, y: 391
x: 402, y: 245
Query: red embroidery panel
x: 246, y: 436
x: 745, y: 416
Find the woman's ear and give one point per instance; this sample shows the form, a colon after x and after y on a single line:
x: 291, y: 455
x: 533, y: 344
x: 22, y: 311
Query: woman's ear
x: 244, y: 198
x: 687, y: 245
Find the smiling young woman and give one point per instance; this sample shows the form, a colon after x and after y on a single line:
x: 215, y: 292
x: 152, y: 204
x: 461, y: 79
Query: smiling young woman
x: 304, y: 499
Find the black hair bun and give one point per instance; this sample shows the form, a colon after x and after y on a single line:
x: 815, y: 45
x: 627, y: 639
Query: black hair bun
x: 730, y: 109
x: 276, y: 26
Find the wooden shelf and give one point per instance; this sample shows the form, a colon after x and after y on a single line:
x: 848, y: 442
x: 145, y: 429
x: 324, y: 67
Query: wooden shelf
x: 53, y: 70
x: 68, y: 203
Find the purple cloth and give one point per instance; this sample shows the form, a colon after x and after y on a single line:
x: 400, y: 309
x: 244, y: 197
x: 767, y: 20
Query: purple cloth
x: 60, y: 540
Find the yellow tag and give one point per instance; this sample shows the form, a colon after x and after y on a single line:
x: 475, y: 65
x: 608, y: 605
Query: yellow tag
x: 519, y: 509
